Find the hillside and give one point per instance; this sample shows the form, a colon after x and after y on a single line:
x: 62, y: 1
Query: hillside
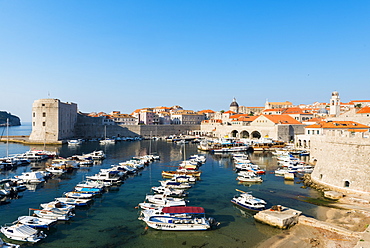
x: 13, y: 120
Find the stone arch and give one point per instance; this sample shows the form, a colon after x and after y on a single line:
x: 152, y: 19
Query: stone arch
x: 244, y: 134
x: 256, y: 135
x: 234, y: 133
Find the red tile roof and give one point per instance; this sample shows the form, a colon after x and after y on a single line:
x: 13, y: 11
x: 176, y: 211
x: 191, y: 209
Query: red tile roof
x: 338, y: 125
x: 364, y: 110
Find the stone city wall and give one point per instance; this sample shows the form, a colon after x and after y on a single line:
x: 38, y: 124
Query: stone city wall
x: 88, y: 128
x: 343, y: 161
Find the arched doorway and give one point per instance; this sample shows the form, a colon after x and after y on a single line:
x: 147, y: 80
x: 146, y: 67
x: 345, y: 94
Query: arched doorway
x: 234, y: 133
x: 256, y: 135
x: 244, y: 134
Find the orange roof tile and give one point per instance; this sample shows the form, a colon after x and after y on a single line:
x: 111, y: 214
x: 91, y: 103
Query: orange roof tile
x: 282, y: 119
x: 229, y: 112
x: 206, y: 111
x: 364, y: 110
x: 338, y: 125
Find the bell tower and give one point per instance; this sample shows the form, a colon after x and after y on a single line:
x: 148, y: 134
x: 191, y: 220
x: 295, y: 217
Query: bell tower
x: 334, y: 104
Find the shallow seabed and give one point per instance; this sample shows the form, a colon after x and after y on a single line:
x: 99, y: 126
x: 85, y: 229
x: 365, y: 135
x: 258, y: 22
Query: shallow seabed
x: 111, y: 221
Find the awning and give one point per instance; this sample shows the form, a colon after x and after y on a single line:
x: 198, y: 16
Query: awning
x: 183, y: 210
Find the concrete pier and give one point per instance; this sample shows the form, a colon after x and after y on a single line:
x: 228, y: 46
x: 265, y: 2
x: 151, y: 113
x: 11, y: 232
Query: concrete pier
x: 282, y: 217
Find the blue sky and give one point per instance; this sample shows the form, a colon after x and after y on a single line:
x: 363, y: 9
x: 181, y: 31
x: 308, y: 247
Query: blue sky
x: 199, y: 54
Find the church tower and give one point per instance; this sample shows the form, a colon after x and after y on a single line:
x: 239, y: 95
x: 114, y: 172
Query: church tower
x: 334, y: 104
x: 234, y: 106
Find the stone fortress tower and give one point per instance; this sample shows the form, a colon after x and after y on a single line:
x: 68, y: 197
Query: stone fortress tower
x: 334, y: 104
x: 234, y: 106
x: 52, y: 120
x: 343, y: 162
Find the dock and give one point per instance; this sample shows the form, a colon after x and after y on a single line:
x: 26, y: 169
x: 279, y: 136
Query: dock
x: 278, y: 216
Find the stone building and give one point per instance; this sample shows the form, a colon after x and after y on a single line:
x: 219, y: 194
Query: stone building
x: 342, y: 160
x: 53, y: 120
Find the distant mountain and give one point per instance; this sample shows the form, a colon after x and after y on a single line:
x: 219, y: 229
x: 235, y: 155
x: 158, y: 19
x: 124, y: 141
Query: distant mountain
x: 13, y: 120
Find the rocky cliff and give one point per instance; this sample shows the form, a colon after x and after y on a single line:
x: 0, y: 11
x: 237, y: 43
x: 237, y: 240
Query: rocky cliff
x: 13, y: 120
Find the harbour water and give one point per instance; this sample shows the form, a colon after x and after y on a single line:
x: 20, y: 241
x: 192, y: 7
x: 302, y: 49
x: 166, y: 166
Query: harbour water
x: 111, y: 221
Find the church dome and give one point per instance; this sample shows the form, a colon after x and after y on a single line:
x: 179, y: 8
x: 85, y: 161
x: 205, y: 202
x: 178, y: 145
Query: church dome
x: 323, y: 111
x: 234, y: 103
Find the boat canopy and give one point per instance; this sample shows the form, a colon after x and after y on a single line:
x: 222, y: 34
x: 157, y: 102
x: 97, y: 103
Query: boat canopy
x: 25, y: 230
x: 183, y: 210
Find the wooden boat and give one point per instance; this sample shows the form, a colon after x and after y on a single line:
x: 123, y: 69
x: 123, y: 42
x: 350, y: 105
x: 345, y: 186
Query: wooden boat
x: 170, y: 174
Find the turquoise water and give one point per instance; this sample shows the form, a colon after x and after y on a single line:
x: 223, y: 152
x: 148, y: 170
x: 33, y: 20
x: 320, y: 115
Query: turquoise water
x: 111, y: 221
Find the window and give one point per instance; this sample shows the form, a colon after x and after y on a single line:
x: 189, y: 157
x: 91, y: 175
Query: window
x: 43, y: 124
x: 317, y: 132
x: 33, y: 123
x: 43, y: 104
x: 308, y: 131
x: 43, y: 114
x: 346, y: 184
x: 34, y: 114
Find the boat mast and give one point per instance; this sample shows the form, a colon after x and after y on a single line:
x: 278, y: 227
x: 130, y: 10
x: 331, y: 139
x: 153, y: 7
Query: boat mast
x: 7, y: 137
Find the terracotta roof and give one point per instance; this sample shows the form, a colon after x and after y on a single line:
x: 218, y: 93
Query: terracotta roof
x: 247, y: 118
x: 280, y: 103
x: 356, y: 101
x: 206, y: 111
x: 229, y: 112
x: 364, y: 110
x: 338, y: 125
x: 282, y: 119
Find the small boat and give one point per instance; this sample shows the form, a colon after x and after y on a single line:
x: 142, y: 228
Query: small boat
x: 23, y: 233
x: 31, y: 177
x: 74, y: 142
x: 78, y: 195
x: 165, y: 201
x: 7, y: 245
x: 53, y: 213
x: 57, y: 205
x: 249, y: 176
x: 73, y: 201
x: 169, y: 174
x: 169, y: 191
x: 85, y: 190
x: 193, y: 219
x: 175, y: 185
x: 35, y: 222
x: 247, y: 201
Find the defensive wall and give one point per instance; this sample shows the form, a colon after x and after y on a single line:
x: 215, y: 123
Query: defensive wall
x: 89, y: 127
x: 342, y: 161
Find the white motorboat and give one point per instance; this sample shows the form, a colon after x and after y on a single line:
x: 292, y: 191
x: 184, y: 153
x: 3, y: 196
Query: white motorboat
x: 35, y: 222
x: 7, y: 245
x: 247, y: 201
x: 105, y: 176
x: 184, y: 179
x: 248, y: 176
x: 174, y: 184
x: 23, y: 233
x: 55, y: 170
x: 169, y: 191
x: 180, y: 219
x: 74, y: 142
x: 93, y: 184
x: 53, y: 213
x: 57, y: 205
x: 164, y: 200
x: 31, y: 177
x: 73, y: 201
x: 78, y: 195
